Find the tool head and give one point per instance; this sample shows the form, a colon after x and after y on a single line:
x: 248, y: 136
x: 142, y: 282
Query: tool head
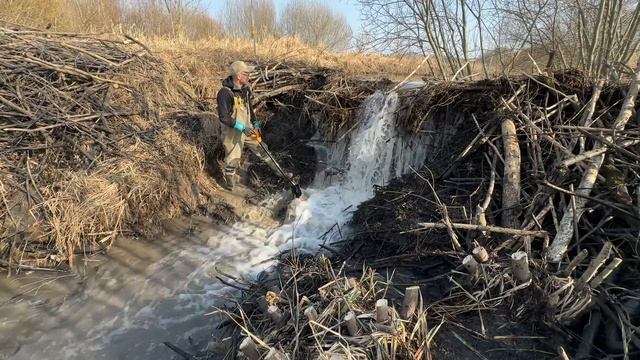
x: 295, y: 189
x: 257, y: 135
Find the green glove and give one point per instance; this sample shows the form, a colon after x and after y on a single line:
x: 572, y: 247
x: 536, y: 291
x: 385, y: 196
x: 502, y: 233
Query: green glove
x: 257, y: 124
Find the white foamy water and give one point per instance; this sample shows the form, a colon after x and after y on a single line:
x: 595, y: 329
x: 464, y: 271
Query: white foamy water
x: 133, y: 303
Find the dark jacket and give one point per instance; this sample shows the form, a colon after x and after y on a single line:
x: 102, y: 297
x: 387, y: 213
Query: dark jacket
x: 225, y: 101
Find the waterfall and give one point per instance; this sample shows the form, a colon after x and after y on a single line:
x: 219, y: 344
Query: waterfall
x: 372, y: 154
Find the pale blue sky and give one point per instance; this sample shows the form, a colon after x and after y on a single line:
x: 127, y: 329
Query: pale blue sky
x: 349, y: 8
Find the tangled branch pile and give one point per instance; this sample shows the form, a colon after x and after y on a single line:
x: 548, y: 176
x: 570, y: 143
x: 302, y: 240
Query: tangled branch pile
x: 310, y: 308
x: 87, y: 147
x: 516, y: 170
x: 321, y: 91
x: 536, y: 183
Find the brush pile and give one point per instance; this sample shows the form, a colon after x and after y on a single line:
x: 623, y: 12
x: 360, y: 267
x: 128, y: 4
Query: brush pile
x: 536, y: 201
x: 88, y: 149
x: 320, y: 91
x: 311, y: 308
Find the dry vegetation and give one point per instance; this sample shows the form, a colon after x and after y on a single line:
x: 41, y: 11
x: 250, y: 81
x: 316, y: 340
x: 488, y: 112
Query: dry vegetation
x: 150, y: 17
x: 210, y: 57
x: 90, y: 147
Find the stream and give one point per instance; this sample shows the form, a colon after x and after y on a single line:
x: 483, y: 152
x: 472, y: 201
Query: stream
x: 124, y: 304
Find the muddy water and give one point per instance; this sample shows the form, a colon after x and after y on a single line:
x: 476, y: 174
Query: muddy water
x: 125, y: 304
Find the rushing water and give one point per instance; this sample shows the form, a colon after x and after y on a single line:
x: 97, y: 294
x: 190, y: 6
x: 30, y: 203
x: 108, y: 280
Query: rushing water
x: 144, y: 292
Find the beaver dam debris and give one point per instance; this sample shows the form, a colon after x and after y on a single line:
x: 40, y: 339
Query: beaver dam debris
x: 517, y: 239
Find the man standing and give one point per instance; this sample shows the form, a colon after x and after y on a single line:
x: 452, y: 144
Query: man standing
x: 235, y: 112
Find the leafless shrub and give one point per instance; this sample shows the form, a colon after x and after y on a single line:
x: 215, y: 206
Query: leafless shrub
x: 175, y: 18
x: 316, y: 24
x: 597, y: 36
x: 239, y: 15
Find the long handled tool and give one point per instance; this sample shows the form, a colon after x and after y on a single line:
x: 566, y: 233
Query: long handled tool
x: 295, y: 188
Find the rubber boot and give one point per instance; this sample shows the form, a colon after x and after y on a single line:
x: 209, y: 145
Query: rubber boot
x: 229, y: 181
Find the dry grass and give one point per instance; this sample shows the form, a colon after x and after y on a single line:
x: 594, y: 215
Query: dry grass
x: 77, y: 189
x: 209, y: 58
x: 112, y: 16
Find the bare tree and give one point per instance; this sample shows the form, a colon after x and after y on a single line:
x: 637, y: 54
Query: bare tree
x: 594, y: 35
x: 316, y: 24
x: 430, y: 26
x: 238, y: 15
x: 178, y: 18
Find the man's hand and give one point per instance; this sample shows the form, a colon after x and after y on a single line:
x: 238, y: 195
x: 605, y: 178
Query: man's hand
x: 257, y: 124
x: 248, y: 131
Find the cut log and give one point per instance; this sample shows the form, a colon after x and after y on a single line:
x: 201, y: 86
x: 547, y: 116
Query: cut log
x: 575, y: 262
x: 565, y: 232
x: 480, y: 254
x: 352, y: 323
x: 382, y: 310
x: 587, y: 115
x: 311, y: 313
x: 410, y: 302
x: 511, y: 175
x: 605, y: 273
x: 594, y: 265
x: 249, y: 349
x: 275, y: 314
x: 471, y: 265
x: 520, y: 266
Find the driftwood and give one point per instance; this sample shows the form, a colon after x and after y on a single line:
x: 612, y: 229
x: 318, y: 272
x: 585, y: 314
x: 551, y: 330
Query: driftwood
x: 360, y: 323
x: 249, y: 349
x: 461, y: 192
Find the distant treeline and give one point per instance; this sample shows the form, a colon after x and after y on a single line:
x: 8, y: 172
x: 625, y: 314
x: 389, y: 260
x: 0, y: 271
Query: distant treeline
x: 600, y: 37
x: 311, y: 21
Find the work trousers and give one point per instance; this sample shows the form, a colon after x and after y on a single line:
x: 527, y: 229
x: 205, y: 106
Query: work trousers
x: 234, y: 142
